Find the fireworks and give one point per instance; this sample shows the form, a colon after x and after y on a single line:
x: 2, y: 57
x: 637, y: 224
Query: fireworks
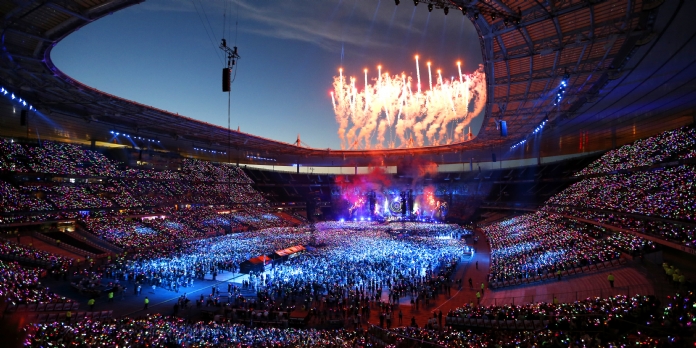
x: 390, y: 114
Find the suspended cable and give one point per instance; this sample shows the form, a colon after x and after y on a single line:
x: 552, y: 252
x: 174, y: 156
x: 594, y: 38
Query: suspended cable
x: 205, y: 14
x: 232, y: 57
x: 224, y: 19
x: 236, y: 25
x: 217, y: 53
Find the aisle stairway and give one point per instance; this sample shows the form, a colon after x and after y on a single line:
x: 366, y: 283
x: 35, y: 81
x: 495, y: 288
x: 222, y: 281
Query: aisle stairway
x: 289, y: 218
x: 41, y: 245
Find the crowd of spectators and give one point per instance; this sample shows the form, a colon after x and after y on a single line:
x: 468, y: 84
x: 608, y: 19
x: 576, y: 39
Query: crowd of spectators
x: 54, y: 158
x: 613, y: 322
x: 10, y: 154
x: 30, y: 253
x: 151, y: 193
x: 350, y: 254
x: 540, y: 243
x: 414, y: 336
x: 259, y: 218
x: 11, y: 199
x: 620, y: 314
x: 679, y: 143
x: 207, y: 219
x: 367, y: 259
x: 631, y: 244
x: 625, y: 242
x: 197, y: 170
x: 168, y: 225
x: 122, y: 194
x: 69, y: 159
x: 578, y: 314
x: 71, y: 197
x: 88, y: 180
x: 137, y: 233
x: 21, y: 285
x: 176, y: 265
x: 215, y: 193
x: 162, y: 331
x: 665, y: 192
x: 671, y: 231
x: 117, y: 191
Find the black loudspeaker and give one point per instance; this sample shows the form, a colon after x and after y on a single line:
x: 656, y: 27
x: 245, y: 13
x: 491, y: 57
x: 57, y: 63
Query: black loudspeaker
x: 493, y: 157
x: 503, y: 129
x: 226, y: 74
x: 23, y: 118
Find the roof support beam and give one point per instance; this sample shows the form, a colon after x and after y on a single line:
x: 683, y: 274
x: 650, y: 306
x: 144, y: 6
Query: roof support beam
x: 544, y: 74
x: 569, y: 40
x: 59, y: 8
x: 33, y: 36
x: 25, y: 57
x: 537, y: 14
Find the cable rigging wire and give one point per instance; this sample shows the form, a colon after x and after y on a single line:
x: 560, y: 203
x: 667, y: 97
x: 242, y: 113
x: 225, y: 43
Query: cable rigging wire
x: 232, y: 58
x: 217, y: 53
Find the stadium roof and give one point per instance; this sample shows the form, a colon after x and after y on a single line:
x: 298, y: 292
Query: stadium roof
x: 628, y: 67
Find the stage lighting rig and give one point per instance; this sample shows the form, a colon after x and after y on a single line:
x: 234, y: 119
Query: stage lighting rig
x: 521, y: 142
x: 540, y: 126
x: 475, y: 8
x: 561, y: 89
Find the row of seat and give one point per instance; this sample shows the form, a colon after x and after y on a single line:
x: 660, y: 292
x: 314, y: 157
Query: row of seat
x: 42, y: 307
x: 565, y: 273
x: 41, y: 318
x: 256, y: 314
x: 497, y: 324
x: 26, y: 260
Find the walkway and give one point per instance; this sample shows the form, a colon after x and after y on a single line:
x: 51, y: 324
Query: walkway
x: 41, y: 245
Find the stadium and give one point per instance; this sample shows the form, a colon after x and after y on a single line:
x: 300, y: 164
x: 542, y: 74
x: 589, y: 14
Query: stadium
x: 567, y: 219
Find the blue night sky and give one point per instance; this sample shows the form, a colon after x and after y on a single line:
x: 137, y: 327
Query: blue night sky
x: 162, y: 53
